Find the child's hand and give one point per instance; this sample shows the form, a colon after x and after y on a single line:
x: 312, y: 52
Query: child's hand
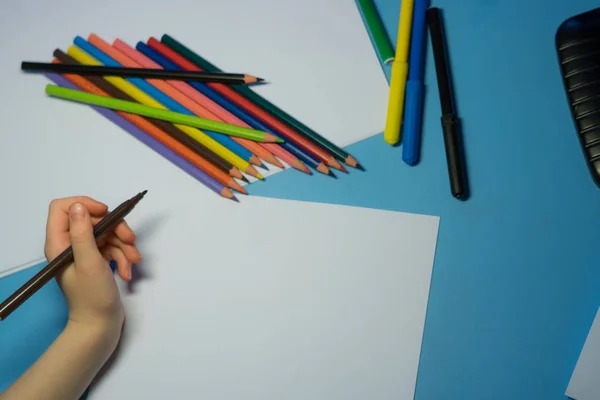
x: 88, y: 284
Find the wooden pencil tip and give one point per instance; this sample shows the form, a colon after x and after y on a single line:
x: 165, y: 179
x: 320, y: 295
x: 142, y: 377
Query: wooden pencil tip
x: 279, y: 140
x: 144, y: 192
x: 333, y: 163
x: 251, y: 79
x: 297, y: 164
x: 259, y: 176
x: 351, y: 161
x: 269, y: 138
x: 245, y: 179
x: 227, y: 194
x: 236, y: 186
x: 271, y: 159
x: 250, y: 170
x: 236, y: 173
x: 254, y: 160
x: 322, y: 168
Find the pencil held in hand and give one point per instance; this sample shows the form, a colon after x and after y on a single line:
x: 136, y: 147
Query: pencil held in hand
x: 65, y: 258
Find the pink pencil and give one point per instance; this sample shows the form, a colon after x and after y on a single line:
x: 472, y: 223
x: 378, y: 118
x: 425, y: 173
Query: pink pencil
x: 207, y: 103
x: 179, y: 97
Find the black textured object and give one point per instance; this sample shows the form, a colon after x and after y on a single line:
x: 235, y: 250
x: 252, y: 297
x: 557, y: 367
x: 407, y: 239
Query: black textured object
x: 578, y: 47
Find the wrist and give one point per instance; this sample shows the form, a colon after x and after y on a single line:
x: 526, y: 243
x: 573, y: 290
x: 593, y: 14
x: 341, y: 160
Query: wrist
x: 102, y: 335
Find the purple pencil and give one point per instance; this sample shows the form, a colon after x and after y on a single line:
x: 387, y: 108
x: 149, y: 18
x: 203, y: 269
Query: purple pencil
x: 149, y: 141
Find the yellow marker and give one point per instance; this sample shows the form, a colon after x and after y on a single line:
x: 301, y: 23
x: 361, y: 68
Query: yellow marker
x: 143, y: 98
x: 399, y: 75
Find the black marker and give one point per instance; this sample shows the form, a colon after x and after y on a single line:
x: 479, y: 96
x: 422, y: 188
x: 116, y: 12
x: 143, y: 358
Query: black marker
x: 450, y: 122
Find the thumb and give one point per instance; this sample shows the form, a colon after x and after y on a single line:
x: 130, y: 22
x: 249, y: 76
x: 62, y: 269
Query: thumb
x: 81, y: 231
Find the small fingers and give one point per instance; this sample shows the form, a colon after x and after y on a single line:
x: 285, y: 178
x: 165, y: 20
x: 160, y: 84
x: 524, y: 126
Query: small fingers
x: 130, y: 251
x: 123, y: 264
x: 122, y: 231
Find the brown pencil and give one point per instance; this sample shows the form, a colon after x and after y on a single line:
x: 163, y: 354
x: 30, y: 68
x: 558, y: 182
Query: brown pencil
x: 64, y: 259
x: 167, y: 127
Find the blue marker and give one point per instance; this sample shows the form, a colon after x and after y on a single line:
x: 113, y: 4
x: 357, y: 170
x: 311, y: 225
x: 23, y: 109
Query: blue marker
x: 161, y: 97
x: 415, y: 86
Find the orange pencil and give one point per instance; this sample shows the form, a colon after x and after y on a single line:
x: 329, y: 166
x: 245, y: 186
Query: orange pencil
x: 216, y: 109
x: 197, y: 109
x: 161, y: 136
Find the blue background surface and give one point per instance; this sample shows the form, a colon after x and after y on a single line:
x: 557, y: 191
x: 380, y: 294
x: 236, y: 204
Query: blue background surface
x: 516, y: 281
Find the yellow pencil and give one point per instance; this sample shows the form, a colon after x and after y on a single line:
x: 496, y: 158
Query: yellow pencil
x: 399, y: 75
x: 143, y: 98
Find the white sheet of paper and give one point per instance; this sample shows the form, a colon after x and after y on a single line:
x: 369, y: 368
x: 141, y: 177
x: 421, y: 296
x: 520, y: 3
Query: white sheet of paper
x: 584, y: 384
x: 273, y: 299
x: 315, y: 54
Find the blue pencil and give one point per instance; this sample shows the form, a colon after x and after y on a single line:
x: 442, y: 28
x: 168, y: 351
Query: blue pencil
x: 233, y: 108
x: 415, y: 86
x: 160, y: 96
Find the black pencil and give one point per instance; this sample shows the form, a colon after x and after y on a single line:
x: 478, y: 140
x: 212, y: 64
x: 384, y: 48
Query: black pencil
x: 450, y: 123
x: 209, y: 77
x: 65, y: 258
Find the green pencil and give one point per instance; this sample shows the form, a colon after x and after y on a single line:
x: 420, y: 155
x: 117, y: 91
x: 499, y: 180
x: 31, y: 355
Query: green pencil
x: 157, y: 113
x: 337, y: 152
x: 379, y: 38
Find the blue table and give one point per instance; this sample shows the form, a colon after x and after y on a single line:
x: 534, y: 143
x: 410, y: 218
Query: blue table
x: 516, y: 281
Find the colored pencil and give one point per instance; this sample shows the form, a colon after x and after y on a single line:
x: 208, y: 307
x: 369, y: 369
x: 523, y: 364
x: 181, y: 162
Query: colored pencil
x: 222, y: 114
x: 377, y: 34
x: 290, y: 153
x: 130, y: 107
x: 155, y: 145
x: 258, y: 112
x: 65, y: 258
x: 339, y: 153
x: 393, y: 122
x: 415, y: 87
x: 165, y: 101
x: 163, y: 138
x: 167, y: 127
x: 143, y: 98
x: 137, y: 72
x: 186, y: 105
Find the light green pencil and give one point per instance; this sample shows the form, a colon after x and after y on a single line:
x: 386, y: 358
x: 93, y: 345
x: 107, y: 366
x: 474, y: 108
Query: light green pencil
x: 157, y: 113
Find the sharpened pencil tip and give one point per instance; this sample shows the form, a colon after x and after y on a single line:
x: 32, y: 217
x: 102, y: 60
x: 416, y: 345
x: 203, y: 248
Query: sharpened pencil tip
x: 144, y: 192
x: 279, y: 140
x: 245, y: 179
x: 258, y: 80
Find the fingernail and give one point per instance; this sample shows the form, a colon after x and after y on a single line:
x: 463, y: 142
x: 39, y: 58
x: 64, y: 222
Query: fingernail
x: 76, y: 211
